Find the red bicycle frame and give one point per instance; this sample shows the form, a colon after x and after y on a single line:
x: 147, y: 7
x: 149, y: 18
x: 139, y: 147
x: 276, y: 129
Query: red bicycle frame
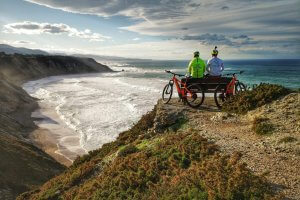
x: 180, y: 90
x: 180, y: 86
x: 230, y: 88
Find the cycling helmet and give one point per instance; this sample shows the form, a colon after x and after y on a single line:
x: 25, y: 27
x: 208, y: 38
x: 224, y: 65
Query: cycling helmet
x: 215, y: 51
x: 196, y: 54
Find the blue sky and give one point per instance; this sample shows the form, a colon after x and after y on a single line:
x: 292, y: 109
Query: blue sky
x: 157, y: 29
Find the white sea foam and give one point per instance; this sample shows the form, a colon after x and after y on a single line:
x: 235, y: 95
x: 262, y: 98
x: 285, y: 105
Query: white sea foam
x: 129, y: 68
x: 97, y: 106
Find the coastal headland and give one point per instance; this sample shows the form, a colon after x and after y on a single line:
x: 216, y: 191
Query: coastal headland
x: 172, y: 152
x: 178, y: 152
x: 23, y: 165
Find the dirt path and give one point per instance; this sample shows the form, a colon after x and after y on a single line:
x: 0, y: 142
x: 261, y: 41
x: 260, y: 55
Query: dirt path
x: 233, y: 134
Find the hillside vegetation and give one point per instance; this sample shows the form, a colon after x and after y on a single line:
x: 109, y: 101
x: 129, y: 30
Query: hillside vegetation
x: 251, y: 99
x: 158, y: 158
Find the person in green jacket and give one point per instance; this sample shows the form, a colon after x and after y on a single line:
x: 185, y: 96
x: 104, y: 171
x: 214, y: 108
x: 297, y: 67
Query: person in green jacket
x: 197, y: 66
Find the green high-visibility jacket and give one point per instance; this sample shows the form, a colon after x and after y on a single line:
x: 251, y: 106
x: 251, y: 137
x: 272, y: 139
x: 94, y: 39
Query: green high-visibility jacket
x: 197, y: 68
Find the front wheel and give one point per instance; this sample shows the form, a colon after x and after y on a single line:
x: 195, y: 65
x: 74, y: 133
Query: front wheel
x: 220, y: 95
x: 167, y: 93
x: 194, y: 95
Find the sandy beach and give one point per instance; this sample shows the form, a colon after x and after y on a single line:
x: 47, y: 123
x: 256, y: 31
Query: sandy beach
x: 54, y: 136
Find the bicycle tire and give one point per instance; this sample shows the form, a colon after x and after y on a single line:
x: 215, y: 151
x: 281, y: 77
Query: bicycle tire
x: 239, y: 87
x: 194, y: 95
x: 220, y: 95
x: 167, y: 93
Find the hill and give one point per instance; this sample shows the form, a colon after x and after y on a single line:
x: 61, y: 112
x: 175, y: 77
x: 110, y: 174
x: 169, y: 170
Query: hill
x: 23, y: 166
x: 20, y: 50
x: 175, y: 152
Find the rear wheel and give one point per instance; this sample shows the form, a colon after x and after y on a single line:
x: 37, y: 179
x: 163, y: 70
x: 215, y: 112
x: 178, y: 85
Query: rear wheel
x: 239, y: 87
x: 194, y: 95
x: 167, y: 93
x: 220, y: 95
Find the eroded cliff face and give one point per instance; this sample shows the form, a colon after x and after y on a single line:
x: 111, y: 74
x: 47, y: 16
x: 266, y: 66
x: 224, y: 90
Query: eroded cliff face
x: 23, y: 166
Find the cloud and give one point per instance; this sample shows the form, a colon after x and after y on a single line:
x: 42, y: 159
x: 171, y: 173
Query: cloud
x: 144, y: 9
x: 169, y: 49
x: 219, y: 39
x: 225, y: 8
x: 227, y: 22
x: 136, y: 39
x: 209, y: 39
x: 163, y: 17
x: 17, y: 42
x: 21, y: 42
x: 30, y: 28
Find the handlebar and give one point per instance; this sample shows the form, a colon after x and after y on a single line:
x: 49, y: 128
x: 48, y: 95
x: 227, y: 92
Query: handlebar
x: 240, y: 72
x: 168, y: 71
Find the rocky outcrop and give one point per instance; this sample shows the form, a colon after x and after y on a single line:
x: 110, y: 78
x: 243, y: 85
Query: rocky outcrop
x: 23, y: 166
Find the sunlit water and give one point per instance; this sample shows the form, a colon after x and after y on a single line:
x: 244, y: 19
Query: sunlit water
x: 97, y: 106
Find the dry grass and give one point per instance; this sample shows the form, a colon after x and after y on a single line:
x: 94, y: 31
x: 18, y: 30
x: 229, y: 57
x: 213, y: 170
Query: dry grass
x: 262, y: 126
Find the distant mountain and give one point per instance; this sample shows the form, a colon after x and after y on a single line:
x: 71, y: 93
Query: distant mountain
x: 20, y: 50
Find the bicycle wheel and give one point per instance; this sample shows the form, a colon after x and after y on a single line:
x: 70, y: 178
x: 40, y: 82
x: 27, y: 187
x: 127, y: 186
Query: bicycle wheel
x: 194, y: 95
x: 220, y: 95
x: 239, y: 87
x: 167, y: 93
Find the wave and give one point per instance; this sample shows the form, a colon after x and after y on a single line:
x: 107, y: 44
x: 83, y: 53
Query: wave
x: 97, y: 107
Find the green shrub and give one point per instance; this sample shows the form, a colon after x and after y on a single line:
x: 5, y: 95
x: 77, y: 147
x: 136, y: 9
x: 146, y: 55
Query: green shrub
x: 180, y: 123
x: 287, y: 139
x: 251, y: 99
x: 128, y: 149
x: 261, y: 126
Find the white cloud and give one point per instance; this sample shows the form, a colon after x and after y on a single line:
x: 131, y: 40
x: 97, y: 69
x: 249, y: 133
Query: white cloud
x: 30, y: 28
x: 136, y: 39
x: 23, y: 42
x: 168, y: 49
x: 17, y: 42
x: 273, y: 23
x: 185, y: 18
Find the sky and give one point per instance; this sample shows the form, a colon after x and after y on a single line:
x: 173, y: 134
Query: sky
x: 155, y: 29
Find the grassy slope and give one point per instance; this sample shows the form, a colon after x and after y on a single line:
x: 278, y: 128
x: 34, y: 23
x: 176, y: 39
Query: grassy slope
x: 140, y: 164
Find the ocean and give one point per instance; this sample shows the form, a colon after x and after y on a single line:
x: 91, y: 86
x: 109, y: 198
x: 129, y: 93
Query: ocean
x: 280, y: 71
x: 99, y: 106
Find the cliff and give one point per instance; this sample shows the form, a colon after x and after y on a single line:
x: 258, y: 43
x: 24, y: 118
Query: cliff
x: 23, y: 166
x: 175, y: 152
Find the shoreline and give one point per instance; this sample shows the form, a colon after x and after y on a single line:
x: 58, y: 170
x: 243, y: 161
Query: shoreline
x: 29, y: 152
x: 53, y: 136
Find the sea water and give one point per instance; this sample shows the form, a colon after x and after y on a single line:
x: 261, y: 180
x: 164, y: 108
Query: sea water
x: 275, y: 71
x: 100, y: 106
